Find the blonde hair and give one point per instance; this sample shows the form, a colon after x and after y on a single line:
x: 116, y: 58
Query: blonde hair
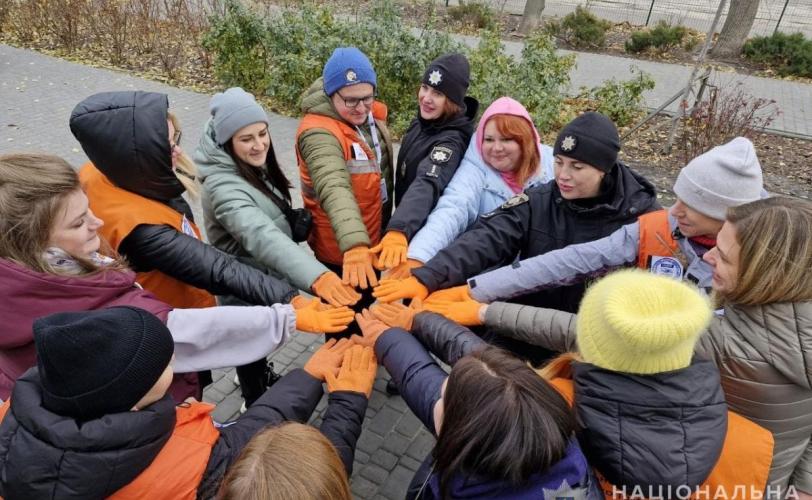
x: 775, y: 259
x: 291, y: 460
x: 185, y: 169
x: 33, y: 188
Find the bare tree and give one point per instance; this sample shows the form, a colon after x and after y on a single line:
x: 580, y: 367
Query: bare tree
x: 531, y: 18
x: 737, y: 26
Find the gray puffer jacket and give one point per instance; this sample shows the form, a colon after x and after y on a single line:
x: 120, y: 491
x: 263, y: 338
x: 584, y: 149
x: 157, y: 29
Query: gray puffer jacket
x: 764, y: 356
x: 243, y: 221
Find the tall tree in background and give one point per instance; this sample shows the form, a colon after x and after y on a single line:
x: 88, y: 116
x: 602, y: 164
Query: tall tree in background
x: 737, y: 27
x: 531, y: 18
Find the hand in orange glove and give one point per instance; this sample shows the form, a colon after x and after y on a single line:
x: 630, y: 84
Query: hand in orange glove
x: 455, y: 294
x: 314, y: 319
x: 392, y: 290
x: 358, y: 270
x: 392, y: 250
x: 403, y: 271
x: 329, y: 287
x: 371, y: 328
x: 467, y: 312
x: 398, y: 315
x: 357, y: 372
x: 327, y: 359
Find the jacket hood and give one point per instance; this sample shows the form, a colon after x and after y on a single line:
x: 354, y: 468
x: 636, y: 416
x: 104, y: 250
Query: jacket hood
x: 503, y: 106
x: 45, y: 455
x: 125, y: 135
x: 653, y: 431
x: 630, y: 196
x: 210, y: 157
x: 316, y: 101
x: 778, y: 330
x: 569, y: 477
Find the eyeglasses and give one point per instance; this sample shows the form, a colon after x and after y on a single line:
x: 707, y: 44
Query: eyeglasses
x: 353, y: 102
x: 175, y: 140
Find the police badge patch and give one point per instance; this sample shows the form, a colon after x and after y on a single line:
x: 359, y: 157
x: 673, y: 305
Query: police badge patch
x: 440, y: 154
x: 515, y: 201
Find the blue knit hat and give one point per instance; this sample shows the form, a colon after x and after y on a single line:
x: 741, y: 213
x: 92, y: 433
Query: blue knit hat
x: 347, y: 66
x: 232, y: 110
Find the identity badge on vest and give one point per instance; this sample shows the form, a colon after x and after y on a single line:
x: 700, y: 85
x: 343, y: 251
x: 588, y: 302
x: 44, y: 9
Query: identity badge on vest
x: 187, y: 228
x: 666, y: 266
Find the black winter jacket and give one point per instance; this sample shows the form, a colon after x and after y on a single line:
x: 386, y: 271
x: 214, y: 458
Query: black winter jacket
x: 428, y: 158
x: 125, y: 135
x: 536, y: 222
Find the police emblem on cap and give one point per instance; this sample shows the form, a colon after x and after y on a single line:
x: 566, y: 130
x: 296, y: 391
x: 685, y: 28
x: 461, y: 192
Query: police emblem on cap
x: 440, y: 154
x: 435, y: 77
x: 568, y: 143
x: 515, y: 201
x: 351, y: 76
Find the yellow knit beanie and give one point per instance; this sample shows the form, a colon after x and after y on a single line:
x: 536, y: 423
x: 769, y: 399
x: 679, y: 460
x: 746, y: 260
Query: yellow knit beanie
x: 633, y: 321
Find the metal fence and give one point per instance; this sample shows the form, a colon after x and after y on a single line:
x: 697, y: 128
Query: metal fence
x: 788, y: 16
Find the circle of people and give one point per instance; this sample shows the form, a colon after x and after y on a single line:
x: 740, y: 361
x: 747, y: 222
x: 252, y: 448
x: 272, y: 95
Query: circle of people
x: 599, y: 345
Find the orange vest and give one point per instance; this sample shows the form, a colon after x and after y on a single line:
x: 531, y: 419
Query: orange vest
x: 745, y: 460
x: 177, y: 470
x: 656, y: 240
x: 122, y: 211
x: 365, y: 176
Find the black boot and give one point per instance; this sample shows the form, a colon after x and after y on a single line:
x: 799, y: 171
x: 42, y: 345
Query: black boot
x: 392, y: 388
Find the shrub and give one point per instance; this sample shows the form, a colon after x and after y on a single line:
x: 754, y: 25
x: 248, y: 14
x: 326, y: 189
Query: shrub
x: 788, y: 54
x: 583, y: 28
x: 663, y: 37
x: 725, y: 113
x: 620, y: 101
x: 475, y: 14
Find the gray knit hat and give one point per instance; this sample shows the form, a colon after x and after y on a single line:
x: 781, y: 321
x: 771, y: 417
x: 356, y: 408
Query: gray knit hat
x: 726, y: 176
x: 232, y: 110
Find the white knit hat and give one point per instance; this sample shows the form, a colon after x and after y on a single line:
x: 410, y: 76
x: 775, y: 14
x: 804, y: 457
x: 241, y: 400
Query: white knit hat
x: 726, y: 176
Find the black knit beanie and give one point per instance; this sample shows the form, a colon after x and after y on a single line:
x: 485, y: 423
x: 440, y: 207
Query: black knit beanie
x: 98, y: 362
x: 591, y: 138
x: 450, y: 74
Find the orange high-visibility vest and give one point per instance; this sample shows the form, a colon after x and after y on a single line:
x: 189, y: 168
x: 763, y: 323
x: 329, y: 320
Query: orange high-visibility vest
x: 655, y: 239
x: 122, y: 211
x: 365, y: 176
x: 747, y: 454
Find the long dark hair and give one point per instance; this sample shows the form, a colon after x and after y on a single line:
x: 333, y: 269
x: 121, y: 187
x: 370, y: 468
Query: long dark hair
x: 501, y: 421
x: 272, y: 171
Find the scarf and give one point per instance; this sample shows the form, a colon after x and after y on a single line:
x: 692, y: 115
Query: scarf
x: 65, y: 263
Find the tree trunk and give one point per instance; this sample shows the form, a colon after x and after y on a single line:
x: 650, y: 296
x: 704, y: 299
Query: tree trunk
x: 531, y: 18
x: 737, y: 26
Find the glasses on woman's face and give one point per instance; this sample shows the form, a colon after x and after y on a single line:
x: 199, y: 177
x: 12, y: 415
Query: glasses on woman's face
x: 175, y: 143
x: 353, y: 102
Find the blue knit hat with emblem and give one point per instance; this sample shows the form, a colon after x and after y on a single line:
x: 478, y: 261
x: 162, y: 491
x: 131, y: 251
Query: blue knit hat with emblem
x: 347, y: 66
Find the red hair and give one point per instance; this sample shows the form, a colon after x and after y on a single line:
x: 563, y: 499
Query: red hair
x: 521, y: 131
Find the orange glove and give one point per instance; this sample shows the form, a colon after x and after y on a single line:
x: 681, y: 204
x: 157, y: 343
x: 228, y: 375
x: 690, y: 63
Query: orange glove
x: 312, y: 318
x: 357, y: 372
x: 464, y: 312
x: 329, y: 287
x: 403, y: 271
x: 455, y: 294
x: 358, y: 270
x: 327, y: 359
x: 392, y: 290
x: 392, y: 250
x: 371, y: 328
x: 398, y: 315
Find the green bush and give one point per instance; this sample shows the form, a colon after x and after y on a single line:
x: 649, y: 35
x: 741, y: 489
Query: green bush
x: 476, y: 14
x: 620, y: 101
x: 584, y: 29
x: 787, y: 54
x: 662, y: 37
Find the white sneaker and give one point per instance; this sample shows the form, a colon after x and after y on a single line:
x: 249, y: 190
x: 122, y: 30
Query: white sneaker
x: 243, y: 408
x: 236, y: 379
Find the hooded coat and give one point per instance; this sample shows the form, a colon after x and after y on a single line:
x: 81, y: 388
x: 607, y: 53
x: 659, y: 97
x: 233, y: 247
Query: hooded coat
x: 429, y: 155
x: 475, y: 189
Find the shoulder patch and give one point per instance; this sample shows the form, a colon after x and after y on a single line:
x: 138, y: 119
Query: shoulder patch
x: 515, y: 201
x: 440, y: 154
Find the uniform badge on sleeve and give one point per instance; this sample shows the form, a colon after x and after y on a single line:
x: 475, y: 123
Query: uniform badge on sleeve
x: 441, y: 154
x: 515, y: 201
